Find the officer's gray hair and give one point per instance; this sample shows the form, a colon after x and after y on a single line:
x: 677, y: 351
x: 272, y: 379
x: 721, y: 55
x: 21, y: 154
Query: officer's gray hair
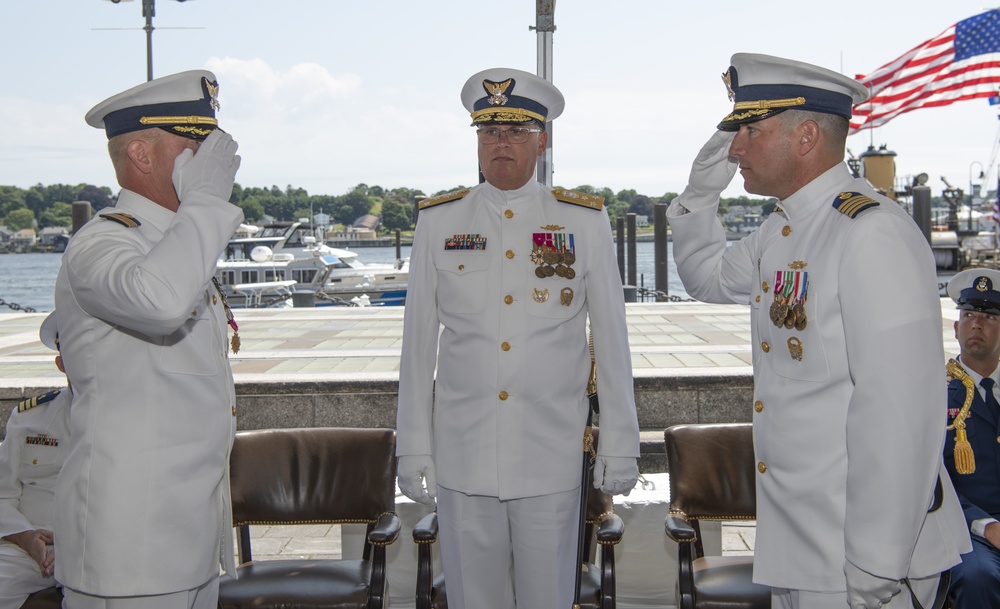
x: 834, y: 127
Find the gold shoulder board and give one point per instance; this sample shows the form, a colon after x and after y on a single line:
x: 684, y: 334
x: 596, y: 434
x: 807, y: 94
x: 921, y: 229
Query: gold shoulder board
x: 853, y: 203
x: 578, y: 198
x: 124, y: 219
x: 38, y: 399
x: 445, y: 198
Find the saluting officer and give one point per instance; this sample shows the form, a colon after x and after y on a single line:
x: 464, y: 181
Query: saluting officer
x: 511, y: 270
x: 143, y: 505
x: 31, y: 455
x: 972, y: 451
x: 847, y: 346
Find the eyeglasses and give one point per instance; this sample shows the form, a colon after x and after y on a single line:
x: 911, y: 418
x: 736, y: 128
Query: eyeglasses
x: 515, y: 135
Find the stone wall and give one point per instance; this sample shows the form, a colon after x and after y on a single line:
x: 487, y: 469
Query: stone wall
x: 660, y: 403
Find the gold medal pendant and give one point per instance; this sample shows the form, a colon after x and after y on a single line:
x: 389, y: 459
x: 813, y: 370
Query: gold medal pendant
x: 795, y: 348
x: 773, y: 312
x: 566, y: 297
x: 235, y: 343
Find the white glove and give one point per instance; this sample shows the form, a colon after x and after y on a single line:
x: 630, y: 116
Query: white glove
x: 616, y: 475
x: 210, y: 172
x: 415, y: 475
x: 711, y: 173
x: 867, y: 591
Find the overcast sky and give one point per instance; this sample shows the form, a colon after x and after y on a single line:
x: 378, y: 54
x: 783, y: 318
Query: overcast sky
x: 326, y: 94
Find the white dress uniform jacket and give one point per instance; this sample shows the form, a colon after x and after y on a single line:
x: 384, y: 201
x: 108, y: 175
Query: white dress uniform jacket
x: 848, y: 424
x: 143, y: 500
x: 31, y: 456
x: 506, y: 416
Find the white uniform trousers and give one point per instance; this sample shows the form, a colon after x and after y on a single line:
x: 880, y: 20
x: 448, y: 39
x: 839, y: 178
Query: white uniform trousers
x: 205, y: 596
x: 505, y: 554
x: 20, y: 576
x: 925, y: 589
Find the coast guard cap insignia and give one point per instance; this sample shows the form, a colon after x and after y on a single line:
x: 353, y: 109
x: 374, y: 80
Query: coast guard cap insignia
x: 213, y: 93
x: 728, y: 79
x: 496, y: 91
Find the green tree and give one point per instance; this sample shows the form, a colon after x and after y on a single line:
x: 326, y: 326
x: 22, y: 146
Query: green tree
x: 99, y: 197
x: 351, y: 206
x: 60, y: 214
x: 396, y: 215
x: 20, y: 219
x: 641, y: 205
x: 253, y: 210
x: 11, y: 198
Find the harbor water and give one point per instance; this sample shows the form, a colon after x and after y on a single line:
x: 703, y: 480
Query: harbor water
x: 28, y: 280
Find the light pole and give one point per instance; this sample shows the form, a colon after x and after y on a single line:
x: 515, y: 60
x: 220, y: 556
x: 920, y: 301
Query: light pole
x: 545, y: 25
x: 975, y: 188
x: 148, y: 12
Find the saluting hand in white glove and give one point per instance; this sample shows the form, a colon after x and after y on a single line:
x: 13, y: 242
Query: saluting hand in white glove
x: 615, y: 475
x: 211, y: 171
x: 867, y: 591
x: 711, y: 173
x: 415, y: 476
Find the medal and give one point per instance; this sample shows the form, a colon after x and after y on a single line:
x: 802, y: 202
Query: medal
x: 539, y: 295
x: 800, y: 317
x: 234, y: 344
x: 795, y: 348
x: 566, y: 297
x: 773, y: 312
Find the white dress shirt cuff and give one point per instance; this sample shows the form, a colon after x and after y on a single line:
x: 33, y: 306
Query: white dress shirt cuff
x: 978, y: 527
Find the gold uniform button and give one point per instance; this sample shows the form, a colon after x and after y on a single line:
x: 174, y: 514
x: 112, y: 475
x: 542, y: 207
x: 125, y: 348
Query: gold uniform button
x: 765, y: 346
x: 758, y: 298
x: 508, y: 299
x: 215, y: 299
x: 510, y: 254
x: 761, y: 467
x: 505, y: 346
x: 194, y: 313
x: 786, y: 230
x: 758, y: 406
x: 234, y: 411
x: 509, y: 213
x: 765, y: 287
x: 34, y: 461
x: 504, y: 395
x: 461, y: 267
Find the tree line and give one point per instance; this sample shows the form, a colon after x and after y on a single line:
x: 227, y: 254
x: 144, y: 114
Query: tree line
x: 43, y: 206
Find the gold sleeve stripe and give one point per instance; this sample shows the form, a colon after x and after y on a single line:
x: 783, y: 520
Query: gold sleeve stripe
x: 125, y: 220
x: 853, y: 203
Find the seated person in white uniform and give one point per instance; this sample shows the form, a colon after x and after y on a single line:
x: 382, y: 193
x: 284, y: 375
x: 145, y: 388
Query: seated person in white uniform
x: 31, y: 456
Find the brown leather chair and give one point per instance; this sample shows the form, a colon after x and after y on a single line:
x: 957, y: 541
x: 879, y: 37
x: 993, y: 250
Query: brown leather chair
x: 712, y: 477
x: 49, y: 598
x: 597, y: 579
x: 313, y: 476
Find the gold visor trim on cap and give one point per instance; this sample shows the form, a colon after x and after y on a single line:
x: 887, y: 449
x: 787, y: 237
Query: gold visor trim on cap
x: 192, y: 130
x: 739, y: 116
x: 505, y: 115
x: 178, y: 120
x: 767, y: 104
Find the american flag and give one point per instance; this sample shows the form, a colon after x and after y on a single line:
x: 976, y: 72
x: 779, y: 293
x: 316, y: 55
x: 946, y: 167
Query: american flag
x: 963, y: 62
